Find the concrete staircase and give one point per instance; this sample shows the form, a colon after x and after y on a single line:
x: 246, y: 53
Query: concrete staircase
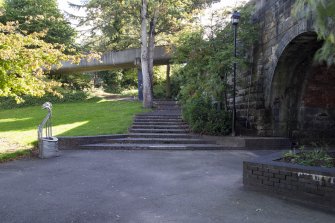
x: 164, y: 129
x: 161, y: 129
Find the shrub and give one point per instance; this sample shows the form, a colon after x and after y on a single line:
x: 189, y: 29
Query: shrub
x: 160, y: 90
x: 315, y: 157
x: 204, y: 74
x: 204, y: 118
x: 116, y: 81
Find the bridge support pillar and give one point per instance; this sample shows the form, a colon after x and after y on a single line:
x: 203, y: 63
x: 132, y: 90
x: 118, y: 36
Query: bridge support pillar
x: 140, y: 84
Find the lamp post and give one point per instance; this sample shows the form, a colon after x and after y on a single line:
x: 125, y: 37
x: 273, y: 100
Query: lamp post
x: 235, y: 18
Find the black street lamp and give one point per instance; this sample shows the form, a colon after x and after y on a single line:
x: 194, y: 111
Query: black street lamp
x: 235, y: 18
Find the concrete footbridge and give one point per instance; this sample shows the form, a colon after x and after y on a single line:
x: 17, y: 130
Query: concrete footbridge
x: 129, y: 58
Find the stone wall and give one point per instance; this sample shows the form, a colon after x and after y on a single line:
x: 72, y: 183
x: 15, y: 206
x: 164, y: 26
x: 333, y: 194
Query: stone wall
x: 274, y: 20
x: 284, y: 94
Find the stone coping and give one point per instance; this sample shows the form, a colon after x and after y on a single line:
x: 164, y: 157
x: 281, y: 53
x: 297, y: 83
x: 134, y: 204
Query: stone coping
x: 74, y: 142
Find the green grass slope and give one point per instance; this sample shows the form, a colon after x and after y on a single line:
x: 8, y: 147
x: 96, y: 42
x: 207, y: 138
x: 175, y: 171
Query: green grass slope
x: 18, y: 127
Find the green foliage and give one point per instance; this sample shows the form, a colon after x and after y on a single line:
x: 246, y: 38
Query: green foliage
x: 324, y: 14
x: 207, y: 62
x: 115, y: 81
x: 160, y: 90
x: 37, y: 16
x: 44, y: 16
x: 22, y: 58
x: 74, y: 81
x: 204, y: 118
x: 315, y: 157
x: 159, y: 82
x: 67, y: 96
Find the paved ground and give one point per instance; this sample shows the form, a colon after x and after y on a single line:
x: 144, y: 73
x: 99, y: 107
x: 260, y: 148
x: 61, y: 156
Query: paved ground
x: 140, y: 186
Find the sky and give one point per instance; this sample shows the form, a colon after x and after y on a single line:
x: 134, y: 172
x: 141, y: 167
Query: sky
x: 63, y: 5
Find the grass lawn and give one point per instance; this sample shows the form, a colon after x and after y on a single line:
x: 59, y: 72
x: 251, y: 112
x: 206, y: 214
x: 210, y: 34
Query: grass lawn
x: 18, y: 127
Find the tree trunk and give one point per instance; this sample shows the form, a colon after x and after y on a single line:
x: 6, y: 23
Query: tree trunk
x: 147, y: 92
x: 152, y: 46
x: 168, y: 82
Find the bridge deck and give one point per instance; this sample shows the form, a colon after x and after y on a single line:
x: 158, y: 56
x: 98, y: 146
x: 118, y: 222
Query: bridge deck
x: 117, y: 59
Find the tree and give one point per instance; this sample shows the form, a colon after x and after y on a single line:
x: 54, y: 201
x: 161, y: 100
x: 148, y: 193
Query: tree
x: 24, y: 59
x: 37, y: 16
x: 147, y: 81
x: 324, y: 14
x: 122, y: 23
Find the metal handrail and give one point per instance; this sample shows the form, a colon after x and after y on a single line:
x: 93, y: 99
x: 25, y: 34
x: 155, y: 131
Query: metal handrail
x: 46, y: 123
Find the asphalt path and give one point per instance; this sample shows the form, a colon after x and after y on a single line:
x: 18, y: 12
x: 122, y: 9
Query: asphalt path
x: 141, y: 186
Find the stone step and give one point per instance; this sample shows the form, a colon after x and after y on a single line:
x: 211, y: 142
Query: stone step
x: 167, y: 107
x: 165, y: 113
x: 158, y: 116
x: 158, y: 130
x: 169, y: 113
x: 158, y: 120
x: 161, y: 108
x: 164, y: 102
x: 145, y: 126
x: 160, y: 141
x: 116, y: 146
x: 161, y: 135
x: 158, y: 123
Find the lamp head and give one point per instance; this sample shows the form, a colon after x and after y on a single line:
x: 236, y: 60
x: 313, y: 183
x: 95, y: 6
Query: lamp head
x: 235, y: 18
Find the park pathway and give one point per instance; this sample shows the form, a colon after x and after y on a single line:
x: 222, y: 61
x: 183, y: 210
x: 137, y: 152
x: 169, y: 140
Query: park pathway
x: 148, y: 186
x: 160, y: 129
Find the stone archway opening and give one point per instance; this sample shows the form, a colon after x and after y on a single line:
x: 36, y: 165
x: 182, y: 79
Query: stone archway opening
x: 303, y: 92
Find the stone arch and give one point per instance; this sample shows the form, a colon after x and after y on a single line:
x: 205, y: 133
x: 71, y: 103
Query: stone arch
x: 300, y: 99
x: 301, y: 27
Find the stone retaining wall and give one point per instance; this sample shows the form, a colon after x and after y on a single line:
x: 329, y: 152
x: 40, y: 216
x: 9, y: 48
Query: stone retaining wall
x: 74, y: 142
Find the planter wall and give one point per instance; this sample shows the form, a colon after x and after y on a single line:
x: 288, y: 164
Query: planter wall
x: 313, y: 185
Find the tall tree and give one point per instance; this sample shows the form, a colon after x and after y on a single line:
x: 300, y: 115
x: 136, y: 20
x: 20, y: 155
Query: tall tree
x: 324, y: 14
x: 37, y: 16
x: 121, y: 23
x: 147, y: 81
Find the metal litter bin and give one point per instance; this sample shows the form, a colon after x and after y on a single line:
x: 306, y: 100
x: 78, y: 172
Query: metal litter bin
x: 48, y: 145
